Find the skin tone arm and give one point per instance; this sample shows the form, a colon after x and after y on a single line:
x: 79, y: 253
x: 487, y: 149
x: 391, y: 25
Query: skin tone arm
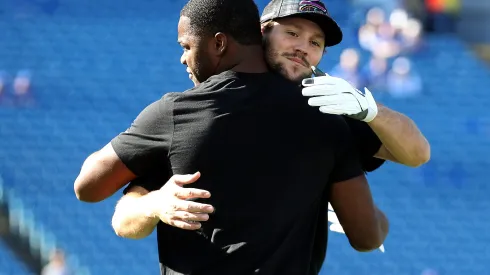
x: 402, y: 140
x: 365, y: 226
x: 102, y: 174
x: 133, y: 218
x: 139, y: 211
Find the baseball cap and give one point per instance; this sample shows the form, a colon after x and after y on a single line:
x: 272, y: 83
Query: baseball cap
x: 313, y: 10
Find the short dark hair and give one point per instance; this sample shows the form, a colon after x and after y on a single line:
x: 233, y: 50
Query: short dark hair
x: 238, y: 18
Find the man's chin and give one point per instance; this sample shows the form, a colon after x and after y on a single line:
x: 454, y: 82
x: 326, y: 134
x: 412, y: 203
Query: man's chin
x: 297, y: 78
x: 194, y: 80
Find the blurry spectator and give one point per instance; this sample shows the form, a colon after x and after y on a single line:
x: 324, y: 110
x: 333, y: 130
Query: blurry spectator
x: 56, y: 265
x: 442, y: 15
x: 390, y: 37
x: 386, y: 44
x: 375, y: 72
x: 398, y: 19
x: 377, y: 35
x: 368, y: 37
x: 411, y: 36
x: 375, y: 17
x: 348, y: 68
x: 22, y: 89
x: 402, y: 81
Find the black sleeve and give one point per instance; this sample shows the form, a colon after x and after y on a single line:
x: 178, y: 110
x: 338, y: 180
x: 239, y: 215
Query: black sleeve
x: 144, y: 147
x: 366, y: 143
x: 347, y: 164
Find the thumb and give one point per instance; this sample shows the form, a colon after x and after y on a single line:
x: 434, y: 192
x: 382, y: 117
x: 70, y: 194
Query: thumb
x: 317, y: 72
x: 319, y: 80
x: 370, y: 98
x: 186, y: 179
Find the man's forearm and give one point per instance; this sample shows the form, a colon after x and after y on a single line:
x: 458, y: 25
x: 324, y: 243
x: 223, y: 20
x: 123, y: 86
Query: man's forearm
x: 133, y: 218
x: 401, y: 137
x: 383, y: 224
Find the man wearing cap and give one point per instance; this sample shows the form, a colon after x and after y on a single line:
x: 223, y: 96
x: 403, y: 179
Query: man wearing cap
x: 296, y: 34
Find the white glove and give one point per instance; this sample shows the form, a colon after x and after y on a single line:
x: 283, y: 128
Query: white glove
x: 338, y: 97
x: 336, y: 227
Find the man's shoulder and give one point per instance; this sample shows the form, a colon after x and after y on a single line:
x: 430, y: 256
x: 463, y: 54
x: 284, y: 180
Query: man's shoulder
x: 333, y: 126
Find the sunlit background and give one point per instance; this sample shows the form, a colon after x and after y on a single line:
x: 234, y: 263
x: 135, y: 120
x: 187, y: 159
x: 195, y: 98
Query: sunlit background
x: 74, y: 73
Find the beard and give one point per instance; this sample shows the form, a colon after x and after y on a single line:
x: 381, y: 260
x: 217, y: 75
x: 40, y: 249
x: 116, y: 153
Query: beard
x: 271, y: 57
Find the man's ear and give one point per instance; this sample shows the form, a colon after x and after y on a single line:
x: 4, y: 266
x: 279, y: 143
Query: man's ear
x: 221, y: 43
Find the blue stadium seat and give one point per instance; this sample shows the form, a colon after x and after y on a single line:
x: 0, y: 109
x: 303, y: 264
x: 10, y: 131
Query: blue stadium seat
x: 9, y: 264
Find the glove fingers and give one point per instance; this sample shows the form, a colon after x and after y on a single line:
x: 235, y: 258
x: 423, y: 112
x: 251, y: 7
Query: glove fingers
x: 369, y: 97
x: 332, y: 111
x: 338, y: 110
x: 319, y: 90
x: 327, y: 100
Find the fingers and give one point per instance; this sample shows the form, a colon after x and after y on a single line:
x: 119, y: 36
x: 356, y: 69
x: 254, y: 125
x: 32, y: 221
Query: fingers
x: 189, y: 215
x: 185, y: 179
x: 327, y: 100
x: 337, y: 110
x: 325, y: 89
x: 191, y: 193
x: 194, y: 207
x: 185, y: 224
x: 192, y: 217
x: 317, y: 72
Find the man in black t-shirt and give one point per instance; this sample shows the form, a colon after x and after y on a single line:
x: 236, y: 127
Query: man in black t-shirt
x: 268, y: 163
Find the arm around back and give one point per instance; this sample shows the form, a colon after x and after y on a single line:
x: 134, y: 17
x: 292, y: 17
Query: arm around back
x: 364, y: 224
x: 139, y: 211
x: 134, y: 216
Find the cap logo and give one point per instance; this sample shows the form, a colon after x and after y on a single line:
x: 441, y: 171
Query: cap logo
x: 314, y: 6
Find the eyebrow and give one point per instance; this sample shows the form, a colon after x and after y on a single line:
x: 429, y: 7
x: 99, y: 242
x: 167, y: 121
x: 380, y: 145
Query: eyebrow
x: 316, y: 35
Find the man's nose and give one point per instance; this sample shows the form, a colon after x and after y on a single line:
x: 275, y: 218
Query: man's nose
x: 182, y: 59
x: 302, y: 47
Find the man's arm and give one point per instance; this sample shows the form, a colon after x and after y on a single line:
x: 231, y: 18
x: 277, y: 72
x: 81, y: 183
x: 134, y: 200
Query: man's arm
x: 139, y: 210
x: 134, y: 217
x: 139, y: 151
x: 102, y: 174
x: 364, y: 224
x: 402, y: 140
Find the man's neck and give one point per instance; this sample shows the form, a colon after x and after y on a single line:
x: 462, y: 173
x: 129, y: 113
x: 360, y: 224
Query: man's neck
x: 251, y: 60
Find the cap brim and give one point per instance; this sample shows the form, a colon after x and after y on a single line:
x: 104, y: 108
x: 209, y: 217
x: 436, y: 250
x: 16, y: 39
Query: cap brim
x: 332, y: 31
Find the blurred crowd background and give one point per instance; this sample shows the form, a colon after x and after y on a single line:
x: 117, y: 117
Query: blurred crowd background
x: 73, y: 74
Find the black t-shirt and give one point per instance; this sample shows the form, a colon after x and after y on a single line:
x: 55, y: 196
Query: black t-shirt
x: 266, y: 157
x: 367, y: 144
